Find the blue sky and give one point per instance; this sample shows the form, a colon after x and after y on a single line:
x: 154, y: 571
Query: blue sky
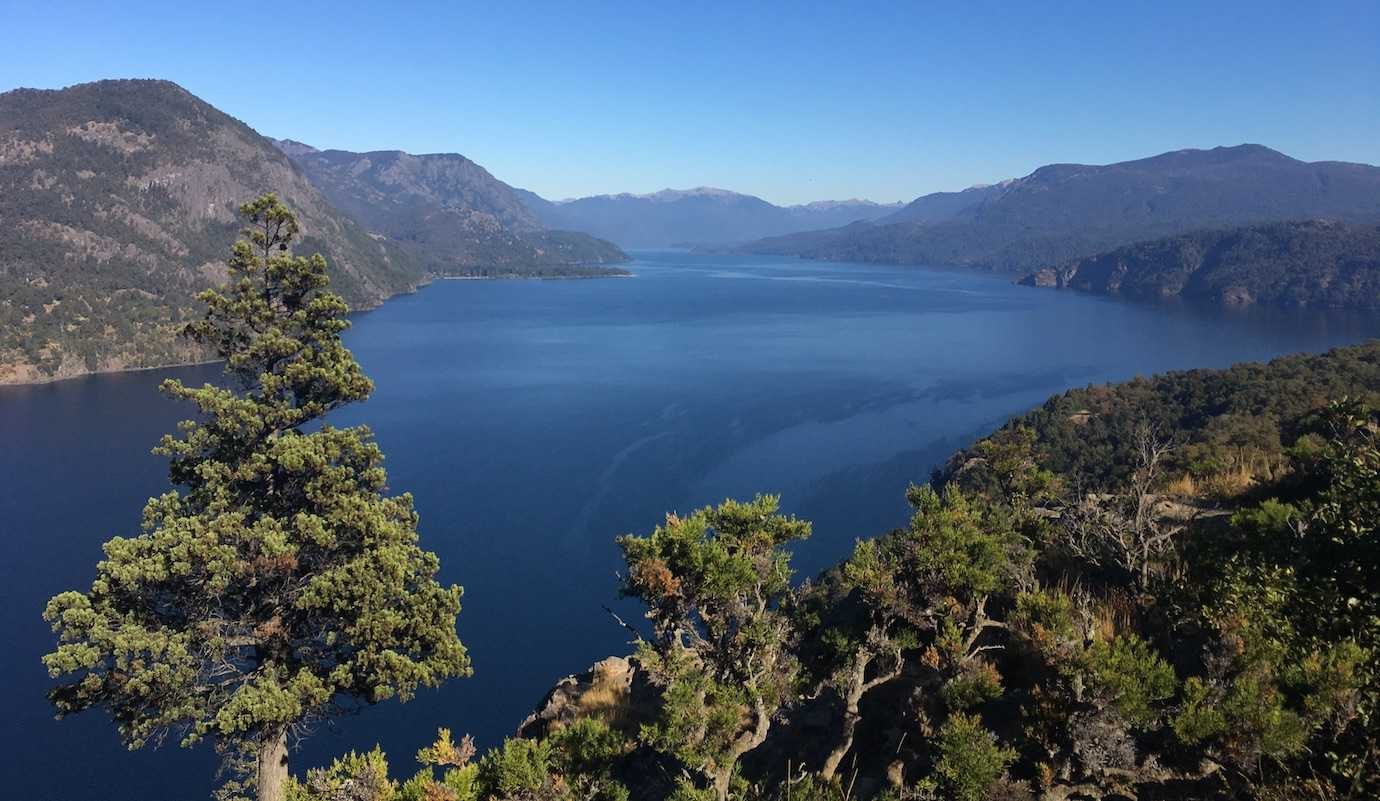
x: 791, y: 101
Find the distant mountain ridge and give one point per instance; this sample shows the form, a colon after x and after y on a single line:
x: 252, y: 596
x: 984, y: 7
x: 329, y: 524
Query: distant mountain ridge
x: 1315, y: 263
x: 118, y: 204
x: 457, y: 217
x: 700, y: 216
x: 1063, y: 212
x: 938, y: 206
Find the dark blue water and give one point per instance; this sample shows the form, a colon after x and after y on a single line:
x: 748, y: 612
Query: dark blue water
x: 534, y: 421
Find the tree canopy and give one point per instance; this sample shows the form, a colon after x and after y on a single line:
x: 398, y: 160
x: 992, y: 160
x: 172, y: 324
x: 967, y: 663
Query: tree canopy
x: 277, y: 582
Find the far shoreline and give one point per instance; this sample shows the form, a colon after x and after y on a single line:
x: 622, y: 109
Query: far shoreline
x: 526, y: 277
x: 4, y: 385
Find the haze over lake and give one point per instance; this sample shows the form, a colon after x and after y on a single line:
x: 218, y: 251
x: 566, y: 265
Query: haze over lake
x: 535, y: 420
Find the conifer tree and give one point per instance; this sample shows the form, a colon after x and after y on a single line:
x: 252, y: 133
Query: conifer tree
x: 713, y: 584
x: 276, y: 583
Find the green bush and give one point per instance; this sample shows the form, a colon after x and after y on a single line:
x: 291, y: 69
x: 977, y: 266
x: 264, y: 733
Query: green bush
x: 1129, y: 673
x: 970, y: 759
x: 518, y: 766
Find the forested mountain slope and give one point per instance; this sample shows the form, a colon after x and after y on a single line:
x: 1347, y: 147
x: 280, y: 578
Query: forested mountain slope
x: 1312, y: 263
x: 116, y: 199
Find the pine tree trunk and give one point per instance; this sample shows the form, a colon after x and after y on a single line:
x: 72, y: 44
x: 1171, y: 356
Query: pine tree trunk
x: 746, y: 741
x: 850, y: 724
x: 851, y: 700
x: 858, y: 686
x: 721, y: 782
x: 273, y: 767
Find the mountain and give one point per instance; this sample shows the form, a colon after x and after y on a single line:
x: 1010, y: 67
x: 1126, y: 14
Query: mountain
x: 938, y: 206
x: 702, y: 216
x: 1063, y: 212
x: 451, y: 212
x: 117, y: 205
x: 293, y: 148
x: 1312, y: 263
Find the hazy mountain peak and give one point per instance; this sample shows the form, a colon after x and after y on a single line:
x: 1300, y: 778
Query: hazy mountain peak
x: 854, y: 202
x: 998, y: 185
x: 292, y: 147
x: 699, y: 191
x: 704, y: 215
x: 669, y: 195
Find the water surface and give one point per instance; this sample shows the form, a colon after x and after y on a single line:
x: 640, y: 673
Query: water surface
x: 536, y: 420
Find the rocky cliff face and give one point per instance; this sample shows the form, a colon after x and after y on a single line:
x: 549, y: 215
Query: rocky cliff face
x: 117, y: 205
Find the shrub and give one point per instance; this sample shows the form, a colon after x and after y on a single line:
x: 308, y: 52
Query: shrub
x: 970, y: 759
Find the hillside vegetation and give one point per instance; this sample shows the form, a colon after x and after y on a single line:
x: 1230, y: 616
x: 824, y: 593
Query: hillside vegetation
x: 1162, y: 589
x: 116, y: 199
x: 1063, y: 212
x: 1313, y: 263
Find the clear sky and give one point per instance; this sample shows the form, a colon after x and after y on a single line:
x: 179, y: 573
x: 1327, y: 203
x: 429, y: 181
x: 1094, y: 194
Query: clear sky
x: 790, y: 101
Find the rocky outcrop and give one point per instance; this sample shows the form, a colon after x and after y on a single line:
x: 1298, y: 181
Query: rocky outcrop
x: 1047, y: 278
x: 615, y: 690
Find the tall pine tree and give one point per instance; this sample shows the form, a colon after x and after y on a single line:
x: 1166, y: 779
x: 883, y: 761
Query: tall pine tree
x: 277, y: 583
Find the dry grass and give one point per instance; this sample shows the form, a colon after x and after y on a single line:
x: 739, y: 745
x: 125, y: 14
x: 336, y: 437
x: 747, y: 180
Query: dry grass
x: 1111, y: 616
x: 606, y: 698
x: 1231, y: 483
x: 1184, y: 486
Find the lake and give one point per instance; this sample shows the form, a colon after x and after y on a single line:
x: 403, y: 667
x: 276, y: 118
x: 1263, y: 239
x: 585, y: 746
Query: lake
x: 536, y: 420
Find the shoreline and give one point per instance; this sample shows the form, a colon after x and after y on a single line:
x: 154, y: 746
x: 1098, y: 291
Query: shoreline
x: 524, y: 277
x: 197, y: 363
x: 118, y: 371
